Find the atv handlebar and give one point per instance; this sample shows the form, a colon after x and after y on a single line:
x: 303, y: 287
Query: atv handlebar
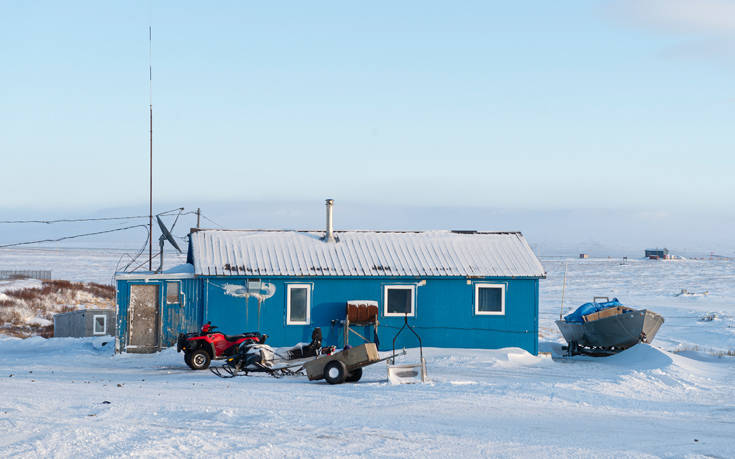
x: 208, y: 327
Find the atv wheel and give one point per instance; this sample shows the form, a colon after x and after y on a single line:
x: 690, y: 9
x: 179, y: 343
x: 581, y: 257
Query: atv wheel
x: 335, y: 372
x: 199, y: 360
x: 187, y: 358
x: 355, y: 375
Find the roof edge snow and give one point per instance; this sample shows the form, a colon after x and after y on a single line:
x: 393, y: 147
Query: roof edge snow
x: 363, y: 253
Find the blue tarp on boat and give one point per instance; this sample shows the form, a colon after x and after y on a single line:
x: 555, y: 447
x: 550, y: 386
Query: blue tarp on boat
x: 589, y: 308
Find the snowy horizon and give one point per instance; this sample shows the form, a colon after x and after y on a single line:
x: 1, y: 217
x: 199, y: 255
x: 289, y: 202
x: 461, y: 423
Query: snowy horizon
x: 550, y: 232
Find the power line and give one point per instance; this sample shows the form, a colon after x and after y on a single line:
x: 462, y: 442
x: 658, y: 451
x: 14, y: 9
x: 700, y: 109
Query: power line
x: 143, y: 264
x: 133, y: 258
x: 72, y: 220
x: 209, y: 219
x: 77, y: 220
x: 178, y: 209
x: 74, y: 236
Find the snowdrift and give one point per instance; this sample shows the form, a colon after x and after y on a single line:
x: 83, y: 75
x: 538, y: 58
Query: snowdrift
x: 640, y: 357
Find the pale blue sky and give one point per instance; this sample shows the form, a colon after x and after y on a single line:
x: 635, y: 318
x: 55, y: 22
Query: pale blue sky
x: 530, y: 105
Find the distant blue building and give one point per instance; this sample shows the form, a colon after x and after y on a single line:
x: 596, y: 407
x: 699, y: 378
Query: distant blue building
x: 657, y: 254
x: 459, y: 288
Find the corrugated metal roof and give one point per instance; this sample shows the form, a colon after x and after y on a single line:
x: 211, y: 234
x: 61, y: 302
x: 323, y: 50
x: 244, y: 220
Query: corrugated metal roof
x: 363, y: 253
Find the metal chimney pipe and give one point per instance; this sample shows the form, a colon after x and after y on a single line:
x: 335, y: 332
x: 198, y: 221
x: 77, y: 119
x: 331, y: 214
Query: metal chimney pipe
x: 329, y: 236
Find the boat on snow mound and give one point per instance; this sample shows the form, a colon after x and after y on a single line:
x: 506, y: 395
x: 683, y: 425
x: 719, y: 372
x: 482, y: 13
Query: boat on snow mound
x: 607, y: 327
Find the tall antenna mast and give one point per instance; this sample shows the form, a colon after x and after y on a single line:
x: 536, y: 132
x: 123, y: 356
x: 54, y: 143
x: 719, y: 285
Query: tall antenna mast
x: 150, y: 190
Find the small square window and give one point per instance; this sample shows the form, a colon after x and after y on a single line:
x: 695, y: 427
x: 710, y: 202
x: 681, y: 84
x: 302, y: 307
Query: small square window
x: 172, y: 293
x: 398, y: 301
x: 490, y: 299
x: 298, y: 302
x: 100, y: 325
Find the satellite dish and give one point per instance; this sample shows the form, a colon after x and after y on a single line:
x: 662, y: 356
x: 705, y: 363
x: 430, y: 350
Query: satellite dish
x: 167, y: 234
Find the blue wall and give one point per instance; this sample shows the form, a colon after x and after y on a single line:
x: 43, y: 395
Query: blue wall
x: 444, y: 311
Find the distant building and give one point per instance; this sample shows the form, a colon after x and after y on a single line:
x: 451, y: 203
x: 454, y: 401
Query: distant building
x: 584, y: 255
x: 25, y: 274
x: 658, y: 254
x: 85, y: 322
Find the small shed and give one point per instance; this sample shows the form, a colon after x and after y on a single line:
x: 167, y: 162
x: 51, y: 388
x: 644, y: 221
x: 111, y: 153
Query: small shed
x: 85, y: 322
x: 583, y: 256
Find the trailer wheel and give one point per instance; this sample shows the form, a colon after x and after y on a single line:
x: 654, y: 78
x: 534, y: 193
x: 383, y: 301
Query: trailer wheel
x: 354, y: 375
x: 199, y: 360
x: 335, y: 372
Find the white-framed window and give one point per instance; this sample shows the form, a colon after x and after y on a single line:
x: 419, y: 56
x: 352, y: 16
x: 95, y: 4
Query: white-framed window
x: 173, y: 293
x: 99, y: 324
x: 490, y: 299
x: 399, y: 300
x: 298, y: 304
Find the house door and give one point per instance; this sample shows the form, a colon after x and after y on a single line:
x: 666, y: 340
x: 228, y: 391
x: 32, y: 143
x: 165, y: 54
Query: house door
x: 143, y: 318
x: 173, y: 318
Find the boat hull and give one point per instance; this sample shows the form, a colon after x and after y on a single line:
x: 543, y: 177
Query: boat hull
x: 613, y: 333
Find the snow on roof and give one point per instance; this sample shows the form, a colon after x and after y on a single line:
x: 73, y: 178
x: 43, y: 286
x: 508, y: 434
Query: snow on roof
x: 184, y: 268
x: 182, y: 271
x: 363, y: 253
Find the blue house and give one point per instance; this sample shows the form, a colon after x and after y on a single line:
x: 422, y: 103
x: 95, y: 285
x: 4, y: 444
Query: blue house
x: 466, y: 289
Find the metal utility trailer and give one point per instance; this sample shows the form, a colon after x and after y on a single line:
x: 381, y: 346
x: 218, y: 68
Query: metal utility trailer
x: 345, y: 365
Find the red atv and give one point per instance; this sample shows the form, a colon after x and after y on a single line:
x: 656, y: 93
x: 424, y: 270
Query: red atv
x: 200, y: 348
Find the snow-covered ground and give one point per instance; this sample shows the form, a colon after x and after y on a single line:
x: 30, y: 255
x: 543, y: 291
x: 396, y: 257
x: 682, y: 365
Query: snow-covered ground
x: 54, y: 398
x: 73, y: 397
